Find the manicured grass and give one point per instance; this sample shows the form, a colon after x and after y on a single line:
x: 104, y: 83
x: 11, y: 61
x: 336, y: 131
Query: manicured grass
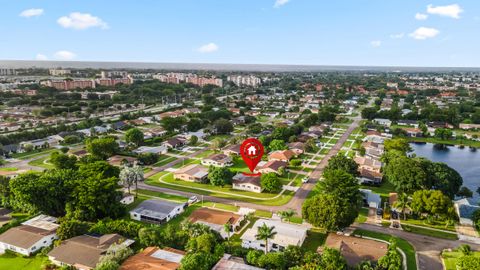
x: 428, y: 232
x: 8, y: 169
x: 315, y: 238
x: 383, y: 190
x: 239, y: 166
x: 205, y: 154
x: 465, y: 142
x: 401, y: 243
x: 164, y: 161
x: 33, y: 154
x: 362, y: 215
x: 42, y: 162
x: 263, y: 214
x: 221, y: 206
x: 450, y: 258
x: 162, y: 195
x: 213, y: 190
x: 186, y: 162
x: 17, y: 262
x: 296, y: 220
x: 423, y: 222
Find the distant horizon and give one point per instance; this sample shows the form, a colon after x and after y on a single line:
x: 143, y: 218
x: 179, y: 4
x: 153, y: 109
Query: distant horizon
x: 242, y: 67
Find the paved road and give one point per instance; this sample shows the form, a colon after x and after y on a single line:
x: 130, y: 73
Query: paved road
x: 428, y: 248
x: 295, y: 203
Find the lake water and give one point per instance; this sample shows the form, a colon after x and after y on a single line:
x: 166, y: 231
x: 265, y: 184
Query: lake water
x: 465, y: 161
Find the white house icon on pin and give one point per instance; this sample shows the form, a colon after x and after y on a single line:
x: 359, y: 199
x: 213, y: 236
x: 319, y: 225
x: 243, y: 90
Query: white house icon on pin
x: 252, y: 151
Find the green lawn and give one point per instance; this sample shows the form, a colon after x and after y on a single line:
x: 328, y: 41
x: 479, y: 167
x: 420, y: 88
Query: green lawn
x: 42, y: 162
x: 362, y: 216
x: 15, y: 262
x: 315, y: 238
x: 465, y: 142
x: 164, y: 160
x: 221, y: 206
x: 450, y: 258
x: 8, y: 169
x: 185, y: 163
x: 263, y: 214
x: 205, y: 153
x: 423, y: 222
x: 428, y: 232
x: 33, y: 154
x: 161, y: 195
x: 401, y: 243
x: 384, y: 189
x: 213, y: 190
x: 296, y: 220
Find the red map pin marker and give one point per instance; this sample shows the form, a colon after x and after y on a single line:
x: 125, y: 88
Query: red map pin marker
x: 252, y: 152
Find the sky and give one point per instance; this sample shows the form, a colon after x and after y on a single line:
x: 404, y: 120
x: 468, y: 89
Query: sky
x: 434, y: 33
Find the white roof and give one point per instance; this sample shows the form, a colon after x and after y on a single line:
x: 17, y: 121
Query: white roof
x: 287, y: 234
x: 43, y: 222
x: 167, y: 256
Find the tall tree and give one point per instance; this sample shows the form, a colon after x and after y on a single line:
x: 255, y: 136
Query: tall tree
x: 341, y: 162
x: 134, y: 136
x: 102, y: 148
x: 131, y: 176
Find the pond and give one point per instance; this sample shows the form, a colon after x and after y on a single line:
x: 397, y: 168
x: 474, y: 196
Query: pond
x: 465, y: 160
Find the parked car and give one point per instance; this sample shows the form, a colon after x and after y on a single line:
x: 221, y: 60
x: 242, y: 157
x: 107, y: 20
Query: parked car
x: 305, y: 179
x: 192, y: 200
x: 379, y: 212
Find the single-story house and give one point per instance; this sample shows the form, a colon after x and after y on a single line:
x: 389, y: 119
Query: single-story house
x: 411, y: 123
x: 465, y: 211
x: 413, y: 132
x: 247, y: 182
x: 297, y: 147
x: 287, y: 234
x: 392, y: 199
x: 369, y: 177
x: 229, y: 262
x: 370, y: 198
x: 374, y: 153
x: 216, y: 219
x: 175, y: 142
x: 217, y: 160
x: 84, y: 252
x: 31, y: 236
x: 157, y: 211
x: 369, y: 164
x: 383, y: 122
x: 282, y: 155
x: 469, y: 126
x: 154, y: 132
x: 117, y: 125
x: 355, y: 249
x: 154, y: 258
x: 119, y: 161
x: 291, y: 115
x: 162, y: 149
x: 272, y: 166
x: 192, y: 173
x: 232, y: 150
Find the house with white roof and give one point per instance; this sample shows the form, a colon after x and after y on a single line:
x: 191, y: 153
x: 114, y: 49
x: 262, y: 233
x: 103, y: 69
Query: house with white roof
x: 31, y: 236
x: 286, y: 234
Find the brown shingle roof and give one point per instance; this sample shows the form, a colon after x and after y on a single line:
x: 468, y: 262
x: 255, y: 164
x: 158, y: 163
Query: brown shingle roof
x: 24, y: 236
x: 84, y: 249
x: 213, y: 216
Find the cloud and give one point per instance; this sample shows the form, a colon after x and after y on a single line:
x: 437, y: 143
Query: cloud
x: 41, y: 57
x: 208, y: 48
x: 279, y: 3
x: 452, y: 11
x: 376, y: 43
x: 421, y: 16
x: 423, y: 33
x: 64, y: 55
x: 81, y: 21
x: 397, y: 36
x: 33, y: 12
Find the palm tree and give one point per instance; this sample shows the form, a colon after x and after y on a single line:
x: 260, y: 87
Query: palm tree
x: 402, y: 202
x: 227, y: 228
x: 264, y: 233
x: 130, y: 176
x: 287, y: 214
